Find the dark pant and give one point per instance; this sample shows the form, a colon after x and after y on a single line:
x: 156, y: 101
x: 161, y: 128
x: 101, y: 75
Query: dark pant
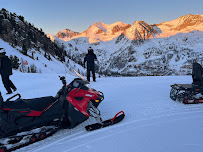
x: 8, y: 84
x: 93, y: 74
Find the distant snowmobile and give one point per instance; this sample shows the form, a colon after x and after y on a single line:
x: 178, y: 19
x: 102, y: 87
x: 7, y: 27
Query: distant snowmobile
x: 24, y: 121
x: 190, y: 93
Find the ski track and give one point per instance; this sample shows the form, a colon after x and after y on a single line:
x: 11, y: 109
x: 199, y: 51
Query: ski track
x: 145, y: 101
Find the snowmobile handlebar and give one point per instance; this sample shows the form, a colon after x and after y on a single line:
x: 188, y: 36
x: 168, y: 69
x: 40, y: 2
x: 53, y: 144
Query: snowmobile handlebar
x: 63, y: 79
x: 63, y: 89
x: 19, y: 96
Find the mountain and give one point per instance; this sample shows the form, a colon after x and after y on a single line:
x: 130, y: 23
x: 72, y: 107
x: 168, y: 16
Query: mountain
x: 101, y: 32
x: 24, y: 42
x: 139, y: 30
x: 183, y: 24
x: 142, y: 49
x: 66, y: 34
x: 104, y: 32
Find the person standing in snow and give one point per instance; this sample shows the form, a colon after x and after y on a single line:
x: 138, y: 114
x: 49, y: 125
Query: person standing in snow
x: 197, y: 74
x: 90, y: 58
x: 6, y: 71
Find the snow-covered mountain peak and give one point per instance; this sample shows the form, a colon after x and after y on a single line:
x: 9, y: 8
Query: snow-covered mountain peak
x: 183, y: 24
x: 97, y: 26
x: 66, y: 34
x: 139, y: 30
x: 136, y: 22
x: 190, y: 16
x: 119, y: 23
x: 104, y: 32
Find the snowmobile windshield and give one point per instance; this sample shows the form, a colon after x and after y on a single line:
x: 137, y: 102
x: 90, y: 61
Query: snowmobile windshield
x: 88, y: 85
x: 79, y: 83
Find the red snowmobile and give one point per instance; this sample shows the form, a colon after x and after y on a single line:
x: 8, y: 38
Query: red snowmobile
x: 24, y: 121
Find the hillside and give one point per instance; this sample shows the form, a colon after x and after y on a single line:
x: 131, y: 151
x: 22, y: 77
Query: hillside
x: 24, y: 42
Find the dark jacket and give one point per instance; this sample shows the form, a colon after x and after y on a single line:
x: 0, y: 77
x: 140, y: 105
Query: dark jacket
x: 5, y: 65
x: 197, y: 74
x: 89, y: 58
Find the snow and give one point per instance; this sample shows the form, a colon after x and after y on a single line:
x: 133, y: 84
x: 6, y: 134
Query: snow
x: 153, y: 121
x: 43, y: 64
x: 178, y: 25
x: 101, y: 32
x: 92, y: 32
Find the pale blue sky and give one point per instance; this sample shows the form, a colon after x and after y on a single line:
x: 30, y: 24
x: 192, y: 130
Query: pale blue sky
x: 77, y: 15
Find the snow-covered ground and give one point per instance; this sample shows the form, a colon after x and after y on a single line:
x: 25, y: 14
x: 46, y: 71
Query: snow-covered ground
x: 43, y: 65
x: 153, y: 122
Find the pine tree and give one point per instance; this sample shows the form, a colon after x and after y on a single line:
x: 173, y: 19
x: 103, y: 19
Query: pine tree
x: 14, y: 62
x: 21, y: 18
x: 33, y: 68
x: 45, y: 55
x: 24, y: 49
x: 28, y: 70
x: 1, y: 27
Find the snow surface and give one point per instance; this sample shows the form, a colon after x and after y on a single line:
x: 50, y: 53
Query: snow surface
x: 153, y: 121
x: 52, y: 67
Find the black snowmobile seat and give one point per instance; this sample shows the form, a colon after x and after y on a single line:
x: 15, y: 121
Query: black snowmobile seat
x: 189, y: 87
x: 36, y: 104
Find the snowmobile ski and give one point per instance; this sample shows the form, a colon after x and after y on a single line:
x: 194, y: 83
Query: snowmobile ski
x: 118, y: 117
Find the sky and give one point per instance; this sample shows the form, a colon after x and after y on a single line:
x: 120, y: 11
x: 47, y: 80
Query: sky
x: 78, y: 15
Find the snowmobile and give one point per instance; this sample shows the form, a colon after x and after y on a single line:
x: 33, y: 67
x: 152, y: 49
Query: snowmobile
x: 189, y: 93
x: 25, y: 121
